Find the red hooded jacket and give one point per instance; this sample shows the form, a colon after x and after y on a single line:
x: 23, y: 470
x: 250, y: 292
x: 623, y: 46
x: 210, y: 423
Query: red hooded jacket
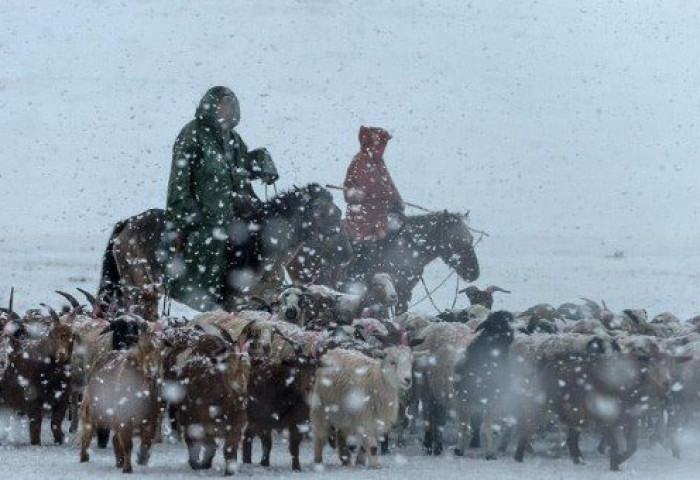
x: 369, y: 190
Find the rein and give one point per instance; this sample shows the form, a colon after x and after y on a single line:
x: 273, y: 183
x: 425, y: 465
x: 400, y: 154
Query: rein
x: 429, y: 293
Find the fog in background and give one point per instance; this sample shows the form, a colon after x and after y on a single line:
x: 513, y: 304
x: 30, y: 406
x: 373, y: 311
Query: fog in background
x: 561, y: 126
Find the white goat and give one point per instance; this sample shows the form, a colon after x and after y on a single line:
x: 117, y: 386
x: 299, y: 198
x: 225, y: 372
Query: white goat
x: 358, y: 397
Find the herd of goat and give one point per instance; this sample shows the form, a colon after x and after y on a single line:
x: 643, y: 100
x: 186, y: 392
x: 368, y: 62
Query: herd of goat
x: 341, y: 370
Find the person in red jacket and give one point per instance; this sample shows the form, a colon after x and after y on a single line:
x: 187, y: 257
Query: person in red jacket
x: 375, y: 208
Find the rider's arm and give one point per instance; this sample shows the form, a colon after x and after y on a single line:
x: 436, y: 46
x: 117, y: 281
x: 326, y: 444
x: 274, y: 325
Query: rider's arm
x: 258, y: 163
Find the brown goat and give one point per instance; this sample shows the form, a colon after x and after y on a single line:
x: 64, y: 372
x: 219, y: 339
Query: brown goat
x: 38, y: 372
x: 122, y: 395
x: 215, y: 389
x: 608, y: 392
x: 278, y: 399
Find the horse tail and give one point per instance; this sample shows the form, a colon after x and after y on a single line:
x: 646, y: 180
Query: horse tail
x: 110, y: 289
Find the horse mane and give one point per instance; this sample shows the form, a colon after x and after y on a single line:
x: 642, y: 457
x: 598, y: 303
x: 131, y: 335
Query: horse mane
x: 426, y: 220
x: 293, y: 200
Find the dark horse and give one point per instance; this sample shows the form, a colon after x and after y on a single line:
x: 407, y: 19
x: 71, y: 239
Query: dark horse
x: 403, y: 255
x: 132, y: 266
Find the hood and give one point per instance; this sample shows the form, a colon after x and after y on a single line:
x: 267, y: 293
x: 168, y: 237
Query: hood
x: 206, y: 111
x: 373, y: 140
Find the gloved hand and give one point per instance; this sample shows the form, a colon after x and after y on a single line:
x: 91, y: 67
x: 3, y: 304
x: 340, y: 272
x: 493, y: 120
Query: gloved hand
x: 268, y: 171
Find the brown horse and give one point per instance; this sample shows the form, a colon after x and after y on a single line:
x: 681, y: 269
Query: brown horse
x: 132, y: 267
x: 403, y: 255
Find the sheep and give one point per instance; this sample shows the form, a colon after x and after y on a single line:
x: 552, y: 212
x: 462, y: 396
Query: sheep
x: 573, y: 311
x: 413, y: 324
x: 214, y: 389
x: 358, y: 397
x: 37, y: 372
x: 318, y: 307
x: 122, y: 395
x: 436, y: 358
x: 481, y: 377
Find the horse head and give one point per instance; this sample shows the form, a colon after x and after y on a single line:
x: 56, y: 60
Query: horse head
x: 454, y: 244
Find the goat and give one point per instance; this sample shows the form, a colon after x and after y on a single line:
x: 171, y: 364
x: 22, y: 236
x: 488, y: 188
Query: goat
x: 122, y: 395
x: 319, y: 307
x: 480, y: 376
x: 214, y: 386
x: 96, y: 336
x: 38, y: 372
x: 358, y: 397
x: 435, y: 362
x: 278, y: 395
x: 482, y: 297
x: 607, y: 391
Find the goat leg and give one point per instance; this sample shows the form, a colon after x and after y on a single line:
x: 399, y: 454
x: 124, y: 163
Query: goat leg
x: 147, y: 437
x: 475, y: 421
x: 266, y: 440
x: 343, y: 449
x: 248, y: 436
x: 34, y: 413
x: 612, y: 439
x: 631, y: 433
x: 118, y: 451
x: 295, y: 437
x: 487, y: 435
x: 233, y: 438
x: 85, y: 438
x: 58, y: 413
x: 524, y: 433
x: 572, y: 443
x: 74, y: 411
x: 370, y: 444
x: 384, y: 444
x: 127, y: 442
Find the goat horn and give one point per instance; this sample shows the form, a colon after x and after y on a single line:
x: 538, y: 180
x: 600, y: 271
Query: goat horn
x: 226, y: 335
x: 12, y: 301
x: 71, y: 299
x: 90, y: 297
x: 589, y: 302
x: 52, y: 312
x: 494, y: 288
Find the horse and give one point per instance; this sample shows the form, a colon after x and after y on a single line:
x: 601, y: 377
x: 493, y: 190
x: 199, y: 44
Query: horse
x: 133, y: 273
x: 403, y: 255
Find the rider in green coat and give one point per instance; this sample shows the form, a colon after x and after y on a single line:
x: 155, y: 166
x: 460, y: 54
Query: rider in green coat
x: 211, y: 201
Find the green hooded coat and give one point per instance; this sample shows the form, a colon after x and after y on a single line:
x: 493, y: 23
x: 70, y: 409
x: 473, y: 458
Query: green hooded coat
x: 210, y: 197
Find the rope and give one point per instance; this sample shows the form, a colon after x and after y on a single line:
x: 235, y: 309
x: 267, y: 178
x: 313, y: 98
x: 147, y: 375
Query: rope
x: 454, y: 299
x: 428, y: 293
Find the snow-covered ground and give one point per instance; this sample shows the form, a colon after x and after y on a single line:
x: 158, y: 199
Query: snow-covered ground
x: 169, y: 460
x: 568, y: 129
